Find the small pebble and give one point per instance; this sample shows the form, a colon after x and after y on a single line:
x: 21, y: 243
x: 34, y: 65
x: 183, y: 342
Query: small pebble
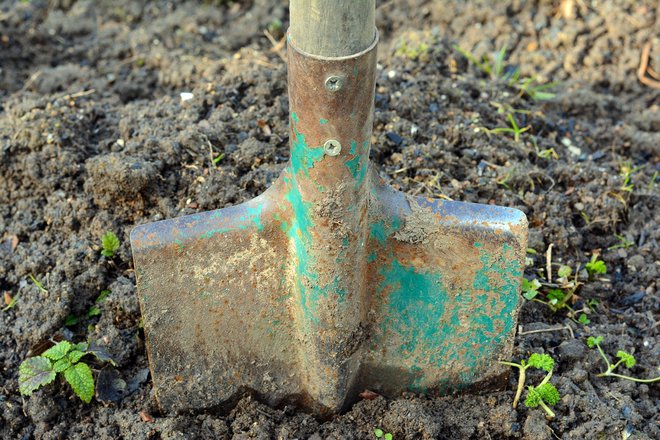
x: 186, y: 96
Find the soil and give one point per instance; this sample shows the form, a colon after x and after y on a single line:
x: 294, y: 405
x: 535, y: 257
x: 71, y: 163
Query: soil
x: 95, y: 137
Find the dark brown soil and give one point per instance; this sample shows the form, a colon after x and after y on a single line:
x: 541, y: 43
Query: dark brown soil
x: 94, y: 137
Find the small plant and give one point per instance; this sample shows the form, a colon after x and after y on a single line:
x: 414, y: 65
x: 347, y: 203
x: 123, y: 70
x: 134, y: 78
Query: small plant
x: 10, y: 301
x: 531, y: 288
x: 544, y: 393
x: 63, y: 358
x: 514, y: 129
x: 495, y: 70
x: 557, y: 298
x: 627, y: 171
x: 623, y: 243
x: 414, y: 46
x: 379, y: 433
x: 544, y: 154
x: 39, y: 285
x: 536, y: 91
x: 498, y: 69
x: 110, y: 244
x: 596, y: 266
x: 624, y: 358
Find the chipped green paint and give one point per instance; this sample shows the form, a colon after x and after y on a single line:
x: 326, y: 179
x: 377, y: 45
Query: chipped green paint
x: 323, y: 121
x: 353, y: 147
x: 380, y: 230
x: 423, y: 313
x: 303, y: 157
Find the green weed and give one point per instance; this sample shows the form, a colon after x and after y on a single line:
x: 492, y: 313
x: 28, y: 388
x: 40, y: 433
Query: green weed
x: 379, y: 433
x: 514, y: 128
x: 624, y: 358
x: 496, y: 69
x: 110, y: 244
x: 596, y: 266
x: 544, y: 393
x: 64, y: 358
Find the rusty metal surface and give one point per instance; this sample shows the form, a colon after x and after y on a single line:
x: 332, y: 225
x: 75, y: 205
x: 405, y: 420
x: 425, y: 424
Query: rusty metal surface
x: 330, y: 281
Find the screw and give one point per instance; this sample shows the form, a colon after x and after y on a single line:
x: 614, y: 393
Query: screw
x: 332, y: 147
x: 334, y: 83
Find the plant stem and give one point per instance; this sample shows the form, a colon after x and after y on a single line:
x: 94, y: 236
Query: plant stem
x: 546, y: 379
x: 521, y: 381
x: 621, y: 376
x: 551, y: 414
x: 607, y: 361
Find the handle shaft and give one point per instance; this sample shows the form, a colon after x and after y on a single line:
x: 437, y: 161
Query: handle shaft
x: 332, y: 28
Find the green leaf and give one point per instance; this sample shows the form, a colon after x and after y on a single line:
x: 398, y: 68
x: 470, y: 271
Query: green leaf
x: 58, y: 351
x: 81, y: 380
x: 533, y: 398
x: 628, y: 359
x: 542, y: 96
x: 378, y: 433
x: 61, y: 365
x: 70, y: 320
x: 548, y: 393
x: 556, y: 295
x: 583, y: 319
x: 530, y: 288
x: 75, y: 355
x: 103, y: 295
x: 110, y: 244
x: 388, y: 436
x: 93, y: 311
x: 564, y: 271
x: 541, y: 361
x: 592, y: 342
x: 34, y: 373
x: 596, y: 266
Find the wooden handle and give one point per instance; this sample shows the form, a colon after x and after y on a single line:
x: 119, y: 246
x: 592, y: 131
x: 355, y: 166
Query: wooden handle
x: 332, y: 28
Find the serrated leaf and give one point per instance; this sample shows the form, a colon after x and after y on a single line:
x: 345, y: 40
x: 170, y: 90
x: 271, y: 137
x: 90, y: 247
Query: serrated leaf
x: 541, y: 361
x: 564, y: 271
x: 533, y: 398
x: 592, y: 342
x: 583, y: 319
x: 34, y: 373
x: 628, y: 359
x: 57, y: 351
x: 110, y: 243
x: 556, y: 295
x: 61, y: 365
x: 75, y: 355
x: 596, y: 266
x: 80, y: 378
x: 548, y: 393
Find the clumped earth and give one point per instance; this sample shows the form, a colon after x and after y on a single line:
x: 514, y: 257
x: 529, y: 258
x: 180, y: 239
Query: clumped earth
x: 94, y: 137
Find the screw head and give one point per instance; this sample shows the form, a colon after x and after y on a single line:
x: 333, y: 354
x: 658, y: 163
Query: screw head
x: 334, y: 83
x: 332, y: 147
